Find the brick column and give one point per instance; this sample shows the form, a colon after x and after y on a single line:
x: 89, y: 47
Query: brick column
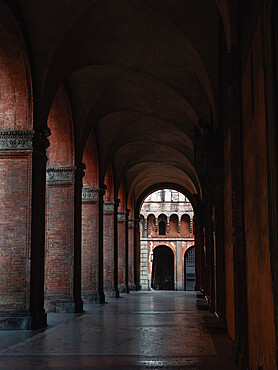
x: 131, y: 284
x: 121, y: 217
x: 137, y: 254
x: 22, y: 205
x: 199, y: 247
x: 62, y: 292
x: 108, y: 250
x: 90, y: 245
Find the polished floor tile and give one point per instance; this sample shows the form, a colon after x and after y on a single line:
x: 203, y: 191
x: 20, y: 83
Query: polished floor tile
x: 145, y: 330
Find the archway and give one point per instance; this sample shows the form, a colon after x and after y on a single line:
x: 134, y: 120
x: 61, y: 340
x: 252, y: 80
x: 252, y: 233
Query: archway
x: 163, y: 268
x: 189, y: 268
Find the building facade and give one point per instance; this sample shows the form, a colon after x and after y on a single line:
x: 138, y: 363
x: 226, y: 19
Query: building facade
x: 166, y: 219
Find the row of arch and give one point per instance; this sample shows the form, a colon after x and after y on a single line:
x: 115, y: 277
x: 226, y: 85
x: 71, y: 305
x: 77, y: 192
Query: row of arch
x: 181, y: 227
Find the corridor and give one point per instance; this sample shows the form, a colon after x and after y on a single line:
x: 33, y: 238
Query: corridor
x: 147, y: 330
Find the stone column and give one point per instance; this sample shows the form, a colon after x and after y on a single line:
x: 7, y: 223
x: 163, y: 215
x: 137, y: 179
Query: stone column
x: 90, y: 245
x: 144, y: 281
x: 179, y: 267
x: 22, y: 205
x: 131, y: 284
x: 121, y: 217
x: 109, y: 250
x: 63, y: 267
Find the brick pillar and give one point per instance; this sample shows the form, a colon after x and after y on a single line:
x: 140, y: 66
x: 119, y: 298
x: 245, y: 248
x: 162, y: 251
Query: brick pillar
x: 126, y: 250
x: 121, y: 252
x: 199, y: 247
x: 22, y: 205
x: 137, y: 254
x: 109, y: 250
x: 131, y: 284
x: 90, y: 245
x: 62, y: 293
x: 100, y: 246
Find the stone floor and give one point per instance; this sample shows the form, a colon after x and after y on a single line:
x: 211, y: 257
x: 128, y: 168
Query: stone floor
x: 145, y: 330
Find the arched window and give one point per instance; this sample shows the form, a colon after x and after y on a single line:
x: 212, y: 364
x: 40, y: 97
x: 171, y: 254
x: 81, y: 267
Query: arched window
x: 162, y: 228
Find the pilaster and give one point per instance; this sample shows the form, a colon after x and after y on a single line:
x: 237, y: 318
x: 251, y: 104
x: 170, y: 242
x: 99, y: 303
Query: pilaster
x: 22, y: 173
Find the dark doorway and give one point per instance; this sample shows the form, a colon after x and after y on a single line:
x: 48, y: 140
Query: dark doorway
x: 163, y: 268
x: 189, y: 268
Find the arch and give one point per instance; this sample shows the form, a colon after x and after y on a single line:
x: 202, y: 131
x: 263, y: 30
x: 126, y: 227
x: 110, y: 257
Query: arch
x: 90, y: 158
x: 16, y: 98
x: 163, y: 268
x: 193, y: 198
x: 185, y: 225
x: 174, y: 224
x: 161, y: 227
x: 61, y: 149
x: 127, y: 53
x: 151, y: 224
x: 109, y: 182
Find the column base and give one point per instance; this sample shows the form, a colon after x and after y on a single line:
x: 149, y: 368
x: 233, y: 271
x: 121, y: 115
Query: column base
x: 22, y: 320
x: 112, y: 293
x: 137, y: 287
x: 93, y: 297
x: 122, y: 288
x: 131, y: 287
x: 63, y: 305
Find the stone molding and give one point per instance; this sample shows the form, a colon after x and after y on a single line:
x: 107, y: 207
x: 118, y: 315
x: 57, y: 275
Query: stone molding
x: 121, y: 216
x: 90, y: 194
x: 131, y: 223
x: 60, y: 174
x: 108, y: 207
x: 22, y: 140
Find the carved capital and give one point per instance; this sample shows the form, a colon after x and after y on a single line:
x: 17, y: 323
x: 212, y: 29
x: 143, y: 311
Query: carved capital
x: 90, y: 194
x: 108, y: 207
x: 22, y: 140
x: 131, y: 223
x: 121, y: 216
x: 60, y: 174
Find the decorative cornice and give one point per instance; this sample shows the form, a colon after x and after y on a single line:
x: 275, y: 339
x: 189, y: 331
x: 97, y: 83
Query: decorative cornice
x: 121, y: 216
x: 108, y: 207
x: 22, y: 140
x: 90, y: 194
x: 60, y: 174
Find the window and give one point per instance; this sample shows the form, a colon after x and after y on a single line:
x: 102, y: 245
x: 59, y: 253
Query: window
x: 162, y: 193
x: 162, y: 228
x: 175, y: 196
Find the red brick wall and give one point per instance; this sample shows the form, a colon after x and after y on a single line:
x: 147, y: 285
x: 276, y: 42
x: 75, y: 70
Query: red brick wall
x: 15, y: 207
x: 16, y: 98
x: 61, y: 150
x: 108, y: 251
x: 89, y: 248
x: 259, y: 288
x: 59, y: 240
x: 131, y: 257
x: 121, y: 255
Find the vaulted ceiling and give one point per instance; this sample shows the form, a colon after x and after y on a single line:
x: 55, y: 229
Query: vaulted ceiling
x: 141, y: 74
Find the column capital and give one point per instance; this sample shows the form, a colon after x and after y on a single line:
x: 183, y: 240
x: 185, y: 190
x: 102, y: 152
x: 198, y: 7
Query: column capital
x: 131, y: 222
x: 23, y: 141
x: 90, y: 194
x: 121, y: 216
x: 108, y: 207
x: 60, y: 174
